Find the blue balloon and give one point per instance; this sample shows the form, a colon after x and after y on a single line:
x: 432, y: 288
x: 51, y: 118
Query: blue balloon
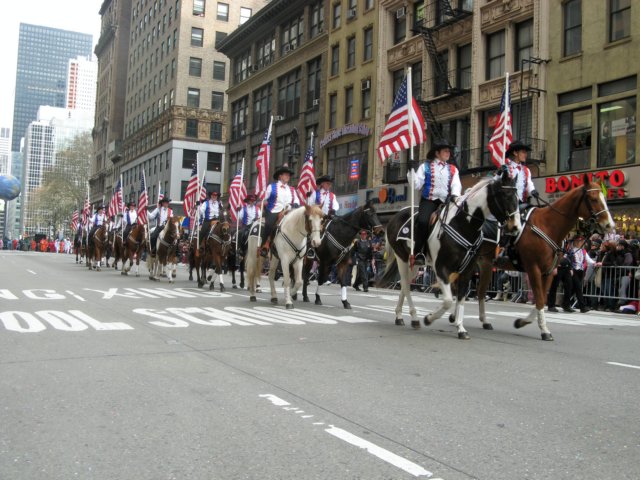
x: 9, y: 187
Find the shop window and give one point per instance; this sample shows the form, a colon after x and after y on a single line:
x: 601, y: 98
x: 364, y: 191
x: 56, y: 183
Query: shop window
x: 617, y: 132
x: 574, y: 140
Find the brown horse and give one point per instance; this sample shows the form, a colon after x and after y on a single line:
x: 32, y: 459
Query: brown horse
x: 539, y: 246
x: 165, y: 251
x: 134, y: 245
x: 215, y: 248
x: 80, y: 245
x: 116, y: 248
x: 97, y: 246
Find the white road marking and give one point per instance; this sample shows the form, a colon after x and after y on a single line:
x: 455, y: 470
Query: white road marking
x: 32, y: 272
x: 383, y: 454
x: 75, y: 296
x: 623, y: 365
x: 277, y: 401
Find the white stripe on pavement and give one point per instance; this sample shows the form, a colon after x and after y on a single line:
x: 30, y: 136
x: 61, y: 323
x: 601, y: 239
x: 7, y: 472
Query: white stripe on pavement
x: 623, y: 365
x: 32, y: 272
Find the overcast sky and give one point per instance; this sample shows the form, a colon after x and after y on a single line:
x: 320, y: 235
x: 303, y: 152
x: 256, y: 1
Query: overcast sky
x: 76, y: 15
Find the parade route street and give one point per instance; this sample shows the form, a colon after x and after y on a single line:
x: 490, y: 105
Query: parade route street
x: 104, y: 376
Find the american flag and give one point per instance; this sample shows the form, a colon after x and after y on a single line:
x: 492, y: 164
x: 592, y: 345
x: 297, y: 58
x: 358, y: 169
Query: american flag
x: 86, y: 211
x: 190, y: 195
x: 502, y: 134
x: 262, y: 162
x: 307, y: 181
x: 115, y: 205
x: 396, y: 136
x: 237, y: 193
x: 160, y: 194
x: 143, y: 201
x: 203, y: 190
x: 74, y: 220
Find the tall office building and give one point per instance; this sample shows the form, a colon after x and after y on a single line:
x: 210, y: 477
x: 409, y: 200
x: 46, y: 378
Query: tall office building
x: 81, y: 84
x: 5, y: 168
x: 41, y: 74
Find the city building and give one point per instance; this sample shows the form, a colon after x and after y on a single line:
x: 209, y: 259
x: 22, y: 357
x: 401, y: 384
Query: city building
x: 81, y: 84
x: 175, y: 102
x: 591, y: 103
x: 278, y: 68
x: 5, y: 169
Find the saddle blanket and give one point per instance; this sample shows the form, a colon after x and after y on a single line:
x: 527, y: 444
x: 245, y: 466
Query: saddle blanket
x: 404, y: 232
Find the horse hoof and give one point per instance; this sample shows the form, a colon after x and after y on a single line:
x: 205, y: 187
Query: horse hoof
x: 415, y: 324
x: 190, y: 278
x: 427, y: 320
x: 463, y: 336
x: 123, y: 273
x: 547, y: 337
x: 234, y: 287
x: 289, y: 306
x: 137, y: 274
x: 346, y: 304
x: 211, y: 287
x: 253, y: 299
x: 305, y: 299
x: 274, y: 301
x: 452, y: 318
x: 222, y: 288
x: 98, y: 269
x: 519, y: 323
x: 294, y: 297
x: 209, y: 278
x: 241, y: 285
x: 487, y: 326
x: 399, y: 321
x: 317, y: 302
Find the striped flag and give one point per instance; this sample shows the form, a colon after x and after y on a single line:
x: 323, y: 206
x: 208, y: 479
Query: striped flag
x: 396, y: 135
x: 74, y: 220
x: 237, y: 193
x: 203, y: 190
x: 307, y: 181
x: 115, y: 205
x: 502, y: 134
x: 86, y: 211
x: 143, y: 201
x: 262, y: 162
x: 189, y: 201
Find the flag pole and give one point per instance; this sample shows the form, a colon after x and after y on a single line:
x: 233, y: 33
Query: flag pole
x: 412, y: 257
x: 262, y: 193
x: 146, y: 226
x: 507, y: 111
x: 196, y: 227
x: 240, y: 190
x: 122, y: 209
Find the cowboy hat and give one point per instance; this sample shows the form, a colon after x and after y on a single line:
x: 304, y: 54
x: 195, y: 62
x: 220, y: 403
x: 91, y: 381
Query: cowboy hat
x: 213, y: 192
x: 100, y: 207
x: 131, y: 204
x: 280, y: 170
x: 164, y: 199
x: 250, y: 198
x: 324, y: 178
x: 437, y: 146
x: 516, y: 147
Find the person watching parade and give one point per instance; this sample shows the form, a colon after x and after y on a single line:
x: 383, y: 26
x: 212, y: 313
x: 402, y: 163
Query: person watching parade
x: 515, y: 161
x: 324, y: 197
x: 437, y: 181
x: 161, y: 215
x: 280, y: 197
x: 210, y: 212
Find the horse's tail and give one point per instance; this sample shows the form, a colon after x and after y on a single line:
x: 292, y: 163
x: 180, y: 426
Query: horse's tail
x: 391, y: 270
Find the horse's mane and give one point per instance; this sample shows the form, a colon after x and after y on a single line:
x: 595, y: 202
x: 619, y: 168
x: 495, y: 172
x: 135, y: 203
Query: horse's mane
x: 315, y: 210
x: 482, y: 183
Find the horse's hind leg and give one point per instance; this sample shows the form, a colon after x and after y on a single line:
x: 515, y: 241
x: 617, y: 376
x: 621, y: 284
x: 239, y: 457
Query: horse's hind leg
x: 540, y: 286
x: 459, y: 313
x: 447, y: 302
x: 221, y: 278
x: 405, y: 292
x: 273, y: 267
x: 483, y: 284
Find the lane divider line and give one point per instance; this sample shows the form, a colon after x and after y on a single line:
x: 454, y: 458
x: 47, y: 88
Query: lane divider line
x: 31, y: 272
x: 623, y: 365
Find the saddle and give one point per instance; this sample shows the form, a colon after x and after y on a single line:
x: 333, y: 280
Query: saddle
x: 404, y: 233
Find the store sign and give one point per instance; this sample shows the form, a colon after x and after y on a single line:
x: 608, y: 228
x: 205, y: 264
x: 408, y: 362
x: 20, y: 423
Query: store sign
x: 387, y: 198
x: 354, y: 169
x: 350, y: 129
x: 347, y: 203
x: 614, y: 180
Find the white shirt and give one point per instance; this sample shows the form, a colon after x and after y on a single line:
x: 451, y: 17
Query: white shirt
x: 249, y: 214
x: 286, y: 196
x: 160, y: 215
x: 580, y: 256
x: 98, y: 219
x: 130, y: 217
x: 214, y: 209
x: 442, y: 183
x: 522, y: 175
x: 327, y: 200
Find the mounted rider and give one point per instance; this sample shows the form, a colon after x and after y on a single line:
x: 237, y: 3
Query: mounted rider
x: 280, y: 197
x: 161, y: 215
x: 516, y: 163
x: 210, y: 212
x: 246, y: 216
x: 437, y: 181
x: 324, y: 197
x: 99, y: 219
x: 130, y: 218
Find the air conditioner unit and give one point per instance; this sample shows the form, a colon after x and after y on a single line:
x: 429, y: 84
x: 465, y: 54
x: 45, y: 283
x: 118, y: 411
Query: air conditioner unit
x: 352, y: 13
x: 255, y: 68
x: 316, y: 102
x: 366, y: 85
x: 278, y: 118
x: 287, y: 48
x: 401, y: 12
x: 320, y: 30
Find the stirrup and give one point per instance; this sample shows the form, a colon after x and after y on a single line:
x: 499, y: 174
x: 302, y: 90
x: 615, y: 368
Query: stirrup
x: 311, y: 253
x: 419, y: 260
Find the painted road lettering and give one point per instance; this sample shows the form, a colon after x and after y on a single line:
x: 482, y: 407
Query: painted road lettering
x: 110, y: 293
x: 70, y: 321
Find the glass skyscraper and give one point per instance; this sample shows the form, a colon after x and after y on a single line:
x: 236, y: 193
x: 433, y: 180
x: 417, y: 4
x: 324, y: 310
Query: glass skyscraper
x: 41, y: 76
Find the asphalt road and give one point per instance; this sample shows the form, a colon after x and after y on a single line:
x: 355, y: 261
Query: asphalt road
x: 111, y: 377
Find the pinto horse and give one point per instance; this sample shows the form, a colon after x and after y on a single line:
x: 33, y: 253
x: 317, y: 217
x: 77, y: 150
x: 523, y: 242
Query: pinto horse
x: 453, y: 243
x: 165, y: 251
x: 539, y: 247
x: 335, y: 248
x: 216, y: 248
x: 97, y: 247
x: 289, y: 246
x: 134, y: 245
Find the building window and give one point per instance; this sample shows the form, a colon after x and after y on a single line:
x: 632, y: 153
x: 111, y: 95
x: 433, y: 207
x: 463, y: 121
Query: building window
x: 245, y: 14
x: 289, y: 94
x: 214, y: 162
x: 287, y: 150
x: 339, y: 160
x: 464, y: 67
x: 316, y: 20
x: 399, y: 28
x: 241, y: 67
x: 366, y: 102
x: 367, y: 53
x: 351, y: 52
x: 291, y: 34
x: 617, y: 132
x: 495, y: 55
x: 239, y: 111
x: 217, y: 101
x: 189, y: 158
x: 574, y: 140
x: 333, y: 110
x: 335, y: 60
x: 192, y: 128
x: 235, y: 162
x: 219, y: 70
x: 416, y: 80
x: 195, y: 66
x: 215, y: 132
x: 223, y: 12
x: 368, y: 5
x: 314, y: 78
x: 220, y: 36
x: 197, y: 36
x: 398, y: 78
x: 193, y: 97
x: 524, y: 43
x: 348, y: 105
x: 619, y: 19
x: 262, y: 108
x: 198, y: 7
x: 572, y: 11
x: 336, y: 11
x: 265, y: 50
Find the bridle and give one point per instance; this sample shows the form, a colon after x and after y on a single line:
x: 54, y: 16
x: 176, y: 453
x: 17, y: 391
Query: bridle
x: 593, y: 215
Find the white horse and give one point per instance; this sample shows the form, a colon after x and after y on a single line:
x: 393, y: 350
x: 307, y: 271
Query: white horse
x: 290, y: 244
x: 165, y: 252
x: 452, y: 244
